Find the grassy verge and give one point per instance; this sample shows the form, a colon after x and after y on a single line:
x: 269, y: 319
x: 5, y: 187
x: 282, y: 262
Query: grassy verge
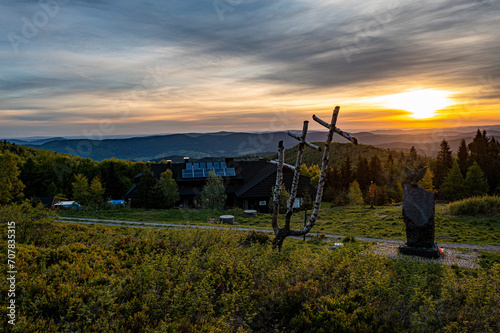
x: 381, y: 222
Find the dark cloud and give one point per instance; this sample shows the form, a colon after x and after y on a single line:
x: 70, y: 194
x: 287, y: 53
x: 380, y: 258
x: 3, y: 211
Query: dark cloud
x: 297, y: 47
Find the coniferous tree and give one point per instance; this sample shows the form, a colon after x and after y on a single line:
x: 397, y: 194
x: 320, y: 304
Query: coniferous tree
x: 333, y: 177
x: 475, y: 182
x: 376, y: 172
x: 346, y: 172
x: 463, y: 157
x: 81, y: 189
x: 30, y: 176
x: 444, y: 162
x: 334, y: 192
x: 479, y: 149
x: 453, y: 185
x: 413, y: 156
x: 485, y: 152
x: 492, y: 172
x: 363, y: 174
x: 390, y: 171
x: 389, y: 162
x: 395, y: 192
x: 111, y: 180
x: 355, y: 195
x: 52, y: 189
x: 96, y: 192
x: 426, y: 182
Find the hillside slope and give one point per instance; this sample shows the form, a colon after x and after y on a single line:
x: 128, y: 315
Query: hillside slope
x: 338, y: 152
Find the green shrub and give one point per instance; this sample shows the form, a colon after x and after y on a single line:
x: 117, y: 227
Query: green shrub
x: 32, y: 221
x: 256, y: 237
x: 114, y: 279
x: 348, y: 239
x: 485, y: 205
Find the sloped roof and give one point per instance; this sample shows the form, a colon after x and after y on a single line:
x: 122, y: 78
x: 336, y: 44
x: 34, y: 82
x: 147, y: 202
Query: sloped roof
x: 265, y: 172
x: 262, y: 185
x: 256, y: 178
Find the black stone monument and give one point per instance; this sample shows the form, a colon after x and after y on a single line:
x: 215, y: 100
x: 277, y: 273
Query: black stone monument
x: 418, y: 215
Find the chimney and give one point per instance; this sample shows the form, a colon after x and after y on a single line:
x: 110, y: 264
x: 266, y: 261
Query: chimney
x: 169, y: 164
x: 186, y: 160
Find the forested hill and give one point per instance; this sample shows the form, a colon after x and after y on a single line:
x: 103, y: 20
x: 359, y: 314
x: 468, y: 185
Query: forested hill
x: 29, y: 172
x: 235, y: 144
x: 193, y: 145
x: 338, y: 152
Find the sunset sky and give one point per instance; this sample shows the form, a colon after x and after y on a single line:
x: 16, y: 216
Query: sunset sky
x: 75, y: 68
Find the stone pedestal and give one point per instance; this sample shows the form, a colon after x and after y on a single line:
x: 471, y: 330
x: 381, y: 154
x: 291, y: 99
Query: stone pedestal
x: 250, y: 213
x: 227, y: 219
x: 418, y: 215
x: 431, y: 252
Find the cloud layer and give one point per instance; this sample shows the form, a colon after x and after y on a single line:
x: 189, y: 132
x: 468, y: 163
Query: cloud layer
x: 156, y: 66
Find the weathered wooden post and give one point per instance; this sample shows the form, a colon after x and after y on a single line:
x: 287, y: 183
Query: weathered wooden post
x: 282, y: 233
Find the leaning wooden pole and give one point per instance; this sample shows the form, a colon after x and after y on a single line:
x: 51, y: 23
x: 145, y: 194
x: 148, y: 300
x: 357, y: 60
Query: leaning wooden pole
x: 322, y: 176
x: 282, y: 233
x: 296, y: 176
x: 277, y: 188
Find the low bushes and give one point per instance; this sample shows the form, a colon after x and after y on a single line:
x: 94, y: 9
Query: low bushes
x: 484, y: 205
x: 112, y: 279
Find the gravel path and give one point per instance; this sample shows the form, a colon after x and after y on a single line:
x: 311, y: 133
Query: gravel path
x: 387, y: 247
x: 464, y: 259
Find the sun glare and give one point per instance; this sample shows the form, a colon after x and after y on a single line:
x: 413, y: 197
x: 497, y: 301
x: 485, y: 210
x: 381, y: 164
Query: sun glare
x: 421, y: 103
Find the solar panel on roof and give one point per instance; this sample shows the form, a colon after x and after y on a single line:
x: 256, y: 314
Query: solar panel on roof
x: 203, y: 169
x: 187, y: 173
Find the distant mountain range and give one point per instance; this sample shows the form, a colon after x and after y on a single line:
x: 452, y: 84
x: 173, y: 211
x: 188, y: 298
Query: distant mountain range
x: 223, y: 144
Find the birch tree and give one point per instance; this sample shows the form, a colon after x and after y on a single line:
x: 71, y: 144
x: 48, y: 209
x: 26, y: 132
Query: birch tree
x: 282, y: 233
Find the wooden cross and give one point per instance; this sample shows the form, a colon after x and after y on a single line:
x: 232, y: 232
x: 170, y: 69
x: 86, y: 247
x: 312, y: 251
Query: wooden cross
x: 282, y: 233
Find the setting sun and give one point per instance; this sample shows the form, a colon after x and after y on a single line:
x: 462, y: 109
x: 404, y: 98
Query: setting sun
x: 421, y: 103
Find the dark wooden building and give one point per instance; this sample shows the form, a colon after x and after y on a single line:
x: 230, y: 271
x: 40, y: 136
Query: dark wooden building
x: 248, y: 184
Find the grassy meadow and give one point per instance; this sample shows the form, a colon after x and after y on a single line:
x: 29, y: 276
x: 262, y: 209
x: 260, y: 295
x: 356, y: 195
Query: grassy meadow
x: 381, y: 222
x: 79, y: 278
